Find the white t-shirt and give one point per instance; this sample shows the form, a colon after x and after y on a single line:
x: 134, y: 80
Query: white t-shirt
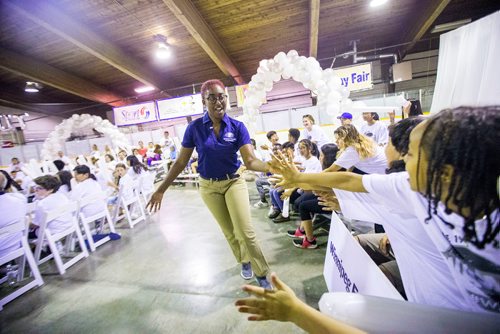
x: 13, y: 208
x: 51, y: 202
x: 372, y: 165
x: 89, y: 188
x: 64, y: 189
x: 425, y: 274
x: 475, y: 271
x: 311, y: 165
x: 133, y: 174
x: 167, y: 142
x: 316, y: 135
x: 377, y: 132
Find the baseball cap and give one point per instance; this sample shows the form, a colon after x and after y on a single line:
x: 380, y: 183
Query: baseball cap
x: 345, y: 115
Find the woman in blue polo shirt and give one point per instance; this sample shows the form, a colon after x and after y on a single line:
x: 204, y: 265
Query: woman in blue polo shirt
x: 217, y: 139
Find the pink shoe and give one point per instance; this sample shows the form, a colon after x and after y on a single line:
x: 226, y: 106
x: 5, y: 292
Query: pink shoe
x: 304, y: 243
x: 296, y: 233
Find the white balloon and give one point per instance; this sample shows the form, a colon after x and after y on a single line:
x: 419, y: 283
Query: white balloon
x: 292, y: 54
x: 345, y: 92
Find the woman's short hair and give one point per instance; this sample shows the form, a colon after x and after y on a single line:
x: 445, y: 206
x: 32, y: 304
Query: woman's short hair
x: 110, y: 157
x: 48, y: 182
x: 309, y: 117
x: 82, y: 169
x: 210, y: 83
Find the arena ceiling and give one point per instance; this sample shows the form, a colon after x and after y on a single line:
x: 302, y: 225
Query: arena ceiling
x: 96, y: 52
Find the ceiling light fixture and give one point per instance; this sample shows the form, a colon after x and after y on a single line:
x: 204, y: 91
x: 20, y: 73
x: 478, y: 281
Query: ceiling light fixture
x: 163, y: 50
x: 450, y: 26
x: 376, y: 3
x: 32, y: 87
x: 144, y: 89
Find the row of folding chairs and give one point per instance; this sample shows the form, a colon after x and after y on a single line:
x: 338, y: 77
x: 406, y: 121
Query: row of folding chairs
x: 84, y: 232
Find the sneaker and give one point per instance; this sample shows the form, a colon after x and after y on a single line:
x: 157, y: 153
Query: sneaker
x: 264, y: 283
x: 281, y: 219
x: 275, y: 213
x: 246, y: 271
x: 304, y: 243
x: 296, y: 233
x: 260, y: 205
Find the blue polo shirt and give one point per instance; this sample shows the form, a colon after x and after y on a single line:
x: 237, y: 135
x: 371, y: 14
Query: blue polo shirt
x: 216, y: 156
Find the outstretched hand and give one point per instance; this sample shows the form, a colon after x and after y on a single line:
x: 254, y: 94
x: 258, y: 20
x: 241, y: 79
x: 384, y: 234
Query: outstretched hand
x: 277, y: 304
x: 284, y: 166
x: 154, y: 203
x: 328, y: 200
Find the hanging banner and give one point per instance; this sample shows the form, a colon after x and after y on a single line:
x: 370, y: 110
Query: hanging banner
x: 135, y: 114
x: 240, y: 95
x: 357, y: 77
x: 349, y: 269
x: 180, y: 107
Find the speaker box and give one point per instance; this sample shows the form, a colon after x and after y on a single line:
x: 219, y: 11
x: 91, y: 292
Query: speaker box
x: 401, y: 71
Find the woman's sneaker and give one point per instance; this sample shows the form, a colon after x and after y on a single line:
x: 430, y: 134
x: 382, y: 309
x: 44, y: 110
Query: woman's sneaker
x: 304, y: 243
x: 264, y: 283
x: 275, y: 213
x: 260, y: 205
x: 246, y: 271
x: 296, y: 233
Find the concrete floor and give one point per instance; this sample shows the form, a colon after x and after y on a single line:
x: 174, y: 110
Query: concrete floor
x: 172, y: 274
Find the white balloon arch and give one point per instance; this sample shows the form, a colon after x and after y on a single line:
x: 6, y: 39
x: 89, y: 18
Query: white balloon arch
x: 306, y: 70
x: 56, y: 138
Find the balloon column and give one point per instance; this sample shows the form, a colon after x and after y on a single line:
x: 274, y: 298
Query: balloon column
x: 306, y: 70
x: 56, y: 138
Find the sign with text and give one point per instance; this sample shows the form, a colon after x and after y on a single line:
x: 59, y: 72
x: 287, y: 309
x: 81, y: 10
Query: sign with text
x: 135, y: 114
x: 349, y: 269
x: 357, y: 77
x: 180, y: 107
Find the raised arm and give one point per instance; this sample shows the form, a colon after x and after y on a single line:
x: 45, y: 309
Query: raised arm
x: 178, y: 166
x: 251, y: 161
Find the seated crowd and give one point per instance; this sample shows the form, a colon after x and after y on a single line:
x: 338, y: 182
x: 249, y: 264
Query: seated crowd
x: 31, y: 192
x: 437, y: 208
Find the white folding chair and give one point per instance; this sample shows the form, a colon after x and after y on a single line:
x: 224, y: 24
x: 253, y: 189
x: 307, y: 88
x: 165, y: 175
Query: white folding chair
x: 21, y: 254
x: 128, y: 205
x: 45, y: 235
x: 102, y: 216
x: 146, y: 189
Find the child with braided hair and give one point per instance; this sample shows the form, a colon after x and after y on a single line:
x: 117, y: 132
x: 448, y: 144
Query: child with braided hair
x: 453, y: 167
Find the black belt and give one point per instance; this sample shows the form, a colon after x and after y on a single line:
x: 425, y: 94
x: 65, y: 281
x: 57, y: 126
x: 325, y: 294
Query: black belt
x: 223, y: 178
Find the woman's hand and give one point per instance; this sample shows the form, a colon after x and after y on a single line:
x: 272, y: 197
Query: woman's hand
x: 154, y: 203
x: 328, y: 200
x: 287, y: 193
x: 285, y: 167
x: 278, y: 304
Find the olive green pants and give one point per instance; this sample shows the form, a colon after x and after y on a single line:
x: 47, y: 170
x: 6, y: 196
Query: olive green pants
x: 229, y: 204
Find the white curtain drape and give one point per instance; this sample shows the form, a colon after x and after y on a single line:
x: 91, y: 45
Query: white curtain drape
x: 468, y: 67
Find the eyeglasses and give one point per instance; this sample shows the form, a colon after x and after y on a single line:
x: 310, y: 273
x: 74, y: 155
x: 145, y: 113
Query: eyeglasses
x: 37, y: 188
x: 214, y: 98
